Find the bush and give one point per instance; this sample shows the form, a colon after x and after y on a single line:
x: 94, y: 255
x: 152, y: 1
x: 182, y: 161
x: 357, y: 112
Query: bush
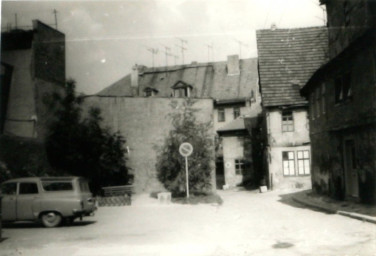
x: 171, y: 165
x: 80, y: 146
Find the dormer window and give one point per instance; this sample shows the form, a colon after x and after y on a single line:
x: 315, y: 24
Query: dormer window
x: 150, y: 92
x: 181, y: 90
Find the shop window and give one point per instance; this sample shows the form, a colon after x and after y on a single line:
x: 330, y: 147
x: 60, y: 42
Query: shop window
x: 236, y: 112
x: 221, y: 115
x: 288, y: 160
x: 239, y: 166
x: 287, y: 121
x: 303, y: 162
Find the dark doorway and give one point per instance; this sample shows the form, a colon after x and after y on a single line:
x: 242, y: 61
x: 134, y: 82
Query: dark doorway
x: 220, y: 172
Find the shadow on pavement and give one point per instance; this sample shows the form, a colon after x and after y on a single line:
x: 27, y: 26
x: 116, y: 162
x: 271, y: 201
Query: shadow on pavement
x: 3, y: 239
x: 20, y: 225
x: 288, y: 199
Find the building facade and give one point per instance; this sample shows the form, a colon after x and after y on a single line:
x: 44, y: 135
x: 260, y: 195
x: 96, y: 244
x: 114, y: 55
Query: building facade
x: 287, y: 58
x: 32, y: 67
x: 231, y: 87
x: 342, y: 103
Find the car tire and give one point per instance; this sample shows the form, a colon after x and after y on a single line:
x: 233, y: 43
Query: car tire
x: 51, y: 219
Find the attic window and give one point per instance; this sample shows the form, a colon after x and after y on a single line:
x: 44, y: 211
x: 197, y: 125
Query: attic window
x: 182, y: 90
x: 150, y: 92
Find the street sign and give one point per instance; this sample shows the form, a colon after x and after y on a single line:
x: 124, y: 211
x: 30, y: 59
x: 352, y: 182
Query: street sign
x: 185, y: 149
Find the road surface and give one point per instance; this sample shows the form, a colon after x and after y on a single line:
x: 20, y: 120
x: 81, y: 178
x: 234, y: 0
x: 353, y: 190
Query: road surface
x: 248, y: 223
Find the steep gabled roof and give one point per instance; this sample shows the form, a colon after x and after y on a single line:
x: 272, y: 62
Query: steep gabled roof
x: 287, y: 59
x: 208, y: 80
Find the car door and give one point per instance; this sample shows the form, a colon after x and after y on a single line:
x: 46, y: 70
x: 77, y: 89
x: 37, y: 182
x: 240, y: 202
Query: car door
x: 9, y: 201
x: 27, y: 193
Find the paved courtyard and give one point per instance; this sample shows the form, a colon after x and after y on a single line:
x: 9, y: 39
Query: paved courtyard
x: 248, y: 223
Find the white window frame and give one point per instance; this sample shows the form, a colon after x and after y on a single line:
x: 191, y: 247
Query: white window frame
x: 303, y: 162
x: 288, y: 165
x: 239, y: 166
x: 219, y: 113
x: 287, y: 123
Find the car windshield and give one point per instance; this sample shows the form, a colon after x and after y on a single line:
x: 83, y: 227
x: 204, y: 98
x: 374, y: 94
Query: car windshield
x: 84, y: 186
x: 57, y: 185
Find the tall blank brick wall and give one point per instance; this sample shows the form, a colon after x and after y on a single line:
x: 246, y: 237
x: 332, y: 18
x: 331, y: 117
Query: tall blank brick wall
x: 144, y: 122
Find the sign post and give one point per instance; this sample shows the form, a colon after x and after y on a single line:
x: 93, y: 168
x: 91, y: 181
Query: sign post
x: 186, y: 150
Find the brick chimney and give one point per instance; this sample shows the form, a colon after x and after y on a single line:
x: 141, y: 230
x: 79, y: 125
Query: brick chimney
x: 134, y: 80
x: 233, y: 65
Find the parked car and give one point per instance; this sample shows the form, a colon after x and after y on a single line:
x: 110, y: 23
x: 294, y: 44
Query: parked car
x: 47, y: 199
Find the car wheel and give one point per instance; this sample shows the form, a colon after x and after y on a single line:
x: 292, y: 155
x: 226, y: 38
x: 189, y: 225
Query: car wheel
x: 51, y: 219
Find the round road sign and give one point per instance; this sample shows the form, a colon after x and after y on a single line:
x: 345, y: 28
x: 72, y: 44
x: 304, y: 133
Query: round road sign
x: 185, y: 149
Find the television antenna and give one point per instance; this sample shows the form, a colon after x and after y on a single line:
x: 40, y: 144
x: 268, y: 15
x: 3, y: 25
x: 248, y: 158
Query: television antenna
x: 241, y: 44
x: 154, y: 51
x: 182, y: 47
x: 210, y: 48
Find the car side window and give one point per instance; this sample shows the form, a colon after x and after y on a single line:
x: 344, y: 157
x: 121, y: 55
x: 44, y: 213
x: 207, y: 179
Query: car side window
x: 9, y: 189
x: 28, y: 188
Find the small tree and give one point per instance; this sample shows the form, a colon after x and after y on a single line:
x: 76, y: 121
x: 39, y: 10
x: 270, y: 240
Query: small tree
x: 80, y: 146
x: 171, y: 165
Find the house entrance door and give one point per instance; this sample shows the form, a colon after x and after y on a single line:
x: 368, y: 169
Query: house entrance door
x: 220, y: 172
x: 351, y: 175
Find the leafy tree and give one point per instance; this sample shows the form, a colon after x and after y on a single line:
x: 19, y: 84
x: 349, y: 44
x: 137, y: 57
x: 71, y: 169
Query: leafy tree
x: 78, y: 145
x: 171, y: 165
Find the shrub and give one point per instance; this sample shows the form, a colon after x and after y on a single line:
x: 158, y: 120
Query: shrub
x: 171, y: 165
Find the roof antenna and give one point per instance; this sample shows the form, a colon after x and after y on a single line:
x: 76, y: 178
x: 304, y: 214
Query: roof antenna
x: 15, y: 19
x: 167, y: 52
x: 210, y: 48
x: 153, y: 51
x: 55, y: 14
x: 181, y: 46
x: 240, y: 47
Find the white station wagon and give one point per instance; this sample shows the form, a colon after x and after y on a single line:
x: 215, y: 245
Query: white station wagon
x: 49, y: 199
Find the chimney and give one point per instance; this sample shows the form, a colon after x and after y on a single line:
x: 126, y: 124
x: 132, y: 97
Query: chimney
x: 233, y: 65
x: 273, y: 26
x: 134, y: 80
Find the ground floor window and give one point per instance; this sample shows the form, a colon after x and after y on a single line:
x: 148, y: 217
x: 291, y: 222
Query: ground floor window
x: 303, y: 162
x: 239, y: 166
x: 288, y: 159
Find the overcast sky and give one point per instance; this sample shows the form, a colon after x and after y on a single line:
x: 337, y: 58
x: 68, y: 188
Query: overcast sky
x: 104, y: 39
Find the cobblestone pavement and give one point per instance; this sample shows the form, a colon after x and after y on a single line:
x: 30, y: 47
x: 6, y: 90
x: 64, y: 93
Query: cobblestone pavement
x: 248, y: 223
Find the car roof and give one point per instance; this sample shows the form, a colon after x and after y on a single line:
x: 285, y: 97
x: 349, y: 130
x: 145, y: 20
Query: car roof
x: 61, y: 178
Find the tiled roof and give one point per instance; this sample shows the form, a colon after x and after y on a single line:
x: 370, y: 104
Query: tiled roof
x: 287, y: 59
x: 208, y: 80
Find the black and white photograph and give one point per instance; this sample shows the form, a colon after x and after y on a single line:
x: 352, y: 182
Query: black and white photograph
x: 188, y: 127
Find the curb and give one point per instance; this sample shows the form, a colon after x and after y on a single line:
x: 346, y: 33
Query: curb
x: 332, y: 211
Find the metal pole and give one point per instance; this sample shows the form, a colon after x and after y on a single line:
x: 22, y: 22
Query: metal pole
x: 186, y: 175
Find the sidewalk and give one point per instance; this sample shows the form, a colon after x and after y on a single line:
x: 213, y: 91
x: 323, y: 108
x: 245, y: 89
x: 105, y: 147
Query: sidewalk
x: 345, y: 208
